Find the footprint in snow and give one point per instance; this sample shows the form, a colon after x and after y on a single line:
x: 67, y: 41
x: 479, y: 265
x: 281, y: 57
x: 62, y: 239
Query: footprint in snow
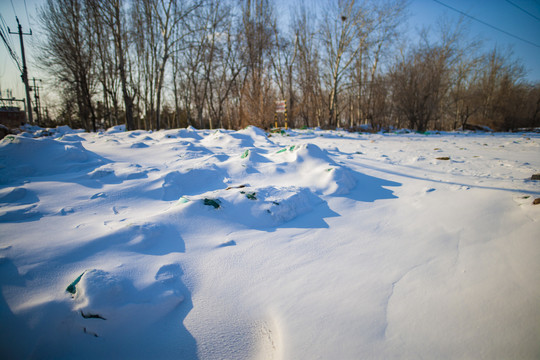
x: 98, y: 195
x: 18, y: 196
x: 66, y: 210
x: 169, y: 273
x: 20, y: 213
x: 226, y: 244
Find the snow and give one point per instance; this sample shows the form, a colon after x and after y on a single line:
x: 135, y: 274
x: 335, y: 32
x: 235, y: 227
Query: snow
x: 307, y: 244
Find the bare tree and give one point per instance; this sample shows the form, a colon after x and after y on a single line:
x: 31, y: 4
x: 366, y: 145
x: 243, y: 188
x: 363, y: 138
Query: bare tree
x: 387, y: 17
x: 423, y: 79
x: 68, y: 52
x: 417, y: 86
x: 144, y: 37
x: 108, y: 109
x: 256, y: 97
x: 283, y: 59
x: 464, y: 94
x: 224, y: 65
x: 181, y: 91
x: 533, y: 106
x: 500, y: 77
x: 113, y: 17
x: 192, y: 59
x: 345, y: 30
x: 307, y: 66
x: 168, y: 17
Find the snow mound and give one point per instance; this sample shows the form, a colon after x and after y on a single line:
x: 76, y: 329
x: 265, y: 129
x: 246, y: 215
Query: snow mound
x: 64, y: 129
x: 224, y: 138
x: 115, y: 304
x: 189, y: 133
x: 253, y: 132
x: 189, y: 182
x: 312, y: 167
x: 99, y: 289
x: 256, y: 207
x: 18, y: 204
x: 336, y: 181
x: 254, y: 157
x: 116, y: 129
x: 252, y: 136
x: 71, y: 138
x: 119, y: 172
x: 139, y: 145
x: 36, y: 131
x: 12, y: 195
x: 188, y: 150
x: 22, y: 157
x: 309, y: 152
x: 19, y: 213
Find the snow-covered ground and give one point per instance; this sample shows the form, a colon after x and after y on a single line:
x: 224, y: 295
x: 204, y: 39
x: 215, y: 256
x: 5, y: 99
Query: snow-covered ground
x: 238, y: 245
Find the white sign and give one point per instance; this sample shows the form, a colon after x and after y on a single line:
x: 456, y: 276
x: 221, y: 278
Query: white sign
x: 281, y: 106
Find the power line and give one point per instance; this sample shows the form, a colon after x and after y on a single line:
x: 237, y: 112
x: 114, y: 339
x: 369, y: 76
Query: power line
x: 7, y: 41
x: 13, y: 7
x: 10, y: 51
x: 3, y: 27
x: 520, y: 8
x: 487, y: 24
x: 27, y: 17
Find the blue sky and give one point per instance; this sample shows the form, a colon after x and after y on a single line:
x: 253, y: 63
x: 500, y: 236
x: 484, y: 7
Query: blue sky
x: 499, y: 13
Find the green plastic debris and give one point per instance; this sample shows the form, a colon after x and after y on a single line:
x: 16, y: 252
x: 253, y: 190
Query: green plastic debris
x: 212, y: 202
x: 72, y: 287
x: 330, y: 169
x: 290, y: 148
x: 250, y: 196
x: 245, y: 154
x: 183, y: 200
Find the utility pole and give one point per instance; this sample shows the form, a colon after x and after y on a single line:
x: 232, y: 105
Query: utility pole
x: 37, y: 102
x: 25, y: 71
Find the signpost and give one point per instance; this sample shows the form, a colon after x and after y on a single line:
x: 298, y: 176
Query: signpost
x: 281, y: 107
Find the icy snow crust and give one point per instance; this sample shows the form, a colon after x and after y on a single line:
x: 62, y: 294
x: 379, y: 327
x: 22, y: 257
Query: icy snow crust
x: 311, y: 244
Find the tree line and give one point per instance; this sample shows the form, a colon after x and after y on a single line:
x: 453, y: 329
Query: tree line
x: 153, y: 64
